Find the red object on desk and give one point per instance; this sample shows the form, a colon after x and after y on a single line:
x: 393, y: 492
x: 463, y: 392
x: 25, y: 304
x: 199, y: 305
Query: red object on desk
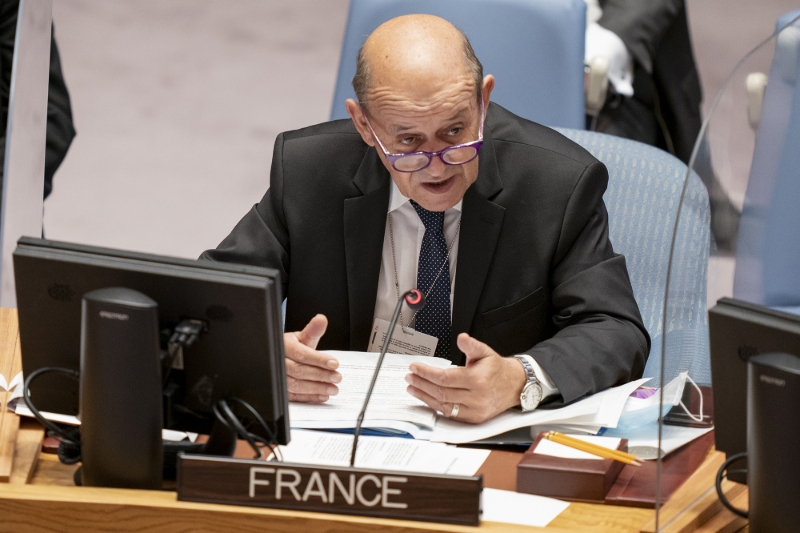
x: 50, y: 445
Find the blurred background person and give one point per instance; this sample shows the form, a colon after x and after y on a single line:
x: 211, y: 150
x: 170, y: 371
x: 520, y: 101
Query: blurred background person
x: 654, y: 89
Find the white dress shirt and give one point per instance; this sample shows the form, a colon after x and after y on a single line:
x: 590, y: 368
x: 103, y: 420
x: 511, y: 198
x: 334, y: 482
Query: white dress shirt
x: 408, y: 231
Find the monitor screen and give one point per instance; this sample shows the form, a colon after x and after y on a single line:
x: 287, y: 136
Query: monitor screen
x: 239, y: 355
x: 739, y: 330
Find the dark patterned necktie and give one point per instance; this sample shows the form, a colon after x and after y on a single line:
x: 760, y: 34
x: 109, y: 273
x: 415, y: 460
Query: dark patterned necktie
x: 434, y: 318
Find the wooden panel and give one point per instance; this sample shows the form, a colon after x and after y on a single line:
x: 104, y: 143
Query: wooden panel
x: 594, y: 518
x: 28, y: 448
x: 636, y: 486
x: 725, y: 521
x: 696, y: 501
x: 75, y: 509
x: 48, y: 470
x: 587, y: 518
x: 10, y: 365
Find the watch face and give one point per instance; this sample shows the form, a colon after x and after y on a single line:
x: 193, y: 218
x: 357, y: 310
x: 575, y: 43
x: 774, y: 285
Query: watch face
x: 531, y: 396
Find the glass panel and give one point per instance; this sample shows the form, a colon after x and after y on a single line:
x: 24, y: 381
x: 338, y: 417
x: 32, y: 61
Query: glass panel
x: 21, y: 211
x: 730, y: 222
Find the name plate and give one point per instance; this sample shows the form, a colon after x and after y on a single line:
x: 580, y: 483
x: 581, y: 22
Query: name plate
x: 357, y: 491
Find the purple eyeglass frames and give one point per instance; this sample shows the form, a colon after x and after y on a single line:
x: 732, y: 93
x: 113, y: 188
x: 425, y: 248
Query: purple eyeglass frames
x: 458, y: 154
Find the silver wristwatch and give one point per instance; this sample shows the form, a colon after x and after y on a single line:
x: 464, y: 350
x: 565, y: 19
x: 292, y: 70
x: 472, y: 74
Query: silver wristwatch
x: 532, y: 391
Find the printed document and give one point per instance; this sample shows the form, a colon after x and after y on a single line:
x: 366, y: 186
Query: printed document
x: 603, y: 408
x: 390, y: 401
x: 522, y: 509
x: 386, y: 453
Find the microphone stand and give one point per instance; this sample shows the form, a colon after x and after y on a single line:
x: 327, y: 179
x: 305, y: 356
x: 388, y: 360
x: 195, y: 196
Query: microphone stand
x: 415, y: 300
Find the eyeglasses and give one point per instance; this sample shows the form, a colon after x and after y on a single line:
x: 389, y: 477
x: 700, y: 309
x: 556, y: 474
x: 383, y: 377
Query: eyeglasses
x: 458, y: 154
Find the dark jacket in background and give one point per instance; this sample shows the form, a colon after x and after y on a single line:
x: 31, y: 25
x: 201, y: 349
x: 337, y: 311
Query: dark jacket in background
x: 665, y: 108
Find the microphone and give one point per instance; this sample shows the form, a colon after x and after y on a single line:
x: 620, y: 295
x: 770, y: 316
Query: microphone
x: 415, y: 301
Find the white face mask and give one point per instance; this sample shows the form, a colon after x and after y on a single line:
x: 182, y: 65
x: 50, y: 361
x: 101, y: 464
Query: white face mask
x: 640, y: 411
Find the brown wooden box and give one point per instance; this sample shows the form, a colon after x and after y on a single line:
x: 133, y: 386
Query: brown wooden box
x: 584, y: 480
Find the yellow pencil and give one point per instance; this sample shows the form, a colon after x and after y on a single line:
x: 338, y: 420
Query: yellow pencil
x: 594, y: 449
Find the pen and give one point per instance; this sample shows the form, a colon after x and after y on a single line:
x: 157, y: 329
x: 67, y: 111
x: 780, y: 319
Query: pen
x: 594, y: 449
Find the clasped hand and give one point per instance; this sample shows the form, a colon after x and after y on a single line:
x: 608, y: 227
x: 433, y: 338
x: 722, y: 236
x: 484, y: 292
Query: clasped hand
x: 488, y: 384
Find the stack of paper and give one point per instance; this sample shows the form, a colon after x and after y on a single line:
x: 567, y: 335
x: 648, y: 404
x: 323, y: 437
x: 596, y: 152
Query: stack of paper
x: 385, y: 453
x: 599, y: 410
x: 392, y: 407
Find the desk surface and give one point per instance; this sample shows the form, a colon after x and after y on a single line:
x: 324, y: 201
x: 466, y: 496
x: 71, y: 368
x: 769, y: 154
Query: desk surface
x: 50, y: 501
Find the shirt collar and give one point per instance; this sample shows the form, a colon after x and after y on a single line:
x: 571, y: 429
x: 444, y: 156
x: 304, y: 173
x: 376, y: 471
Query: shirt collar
x: 396, y: 199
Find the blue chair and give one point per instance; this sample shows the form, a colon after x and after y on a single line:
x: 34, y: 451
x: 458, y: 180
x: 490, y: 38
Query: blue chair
x: 768, y: 250
x: 534, y: 48
x: 642, y: 199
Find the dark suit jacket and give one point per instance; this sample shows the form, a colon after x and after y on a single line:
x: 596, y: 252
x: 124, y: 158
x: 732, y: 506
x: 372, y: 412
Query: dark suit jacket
x: 656, y: 34
x: 536, y: 271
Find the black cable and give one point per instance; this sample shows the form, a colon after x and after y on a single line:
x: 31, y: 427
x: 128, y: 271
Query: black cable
x: 723, y: 473
x: 273, y: 448
x: 221, y: 417
x: 62, y: 434
x: 273, y: 441
x: 233, y: 421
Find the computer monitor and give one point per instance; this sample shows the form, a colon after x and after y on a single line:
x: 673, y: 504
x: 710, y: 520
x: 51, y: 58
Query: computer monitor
x: 739, y: 330
x: 239, y: 355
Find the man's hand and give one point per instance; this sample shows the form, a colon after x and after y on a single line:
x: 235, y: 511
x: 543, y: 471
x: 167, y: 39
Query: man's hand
x: 310, y: 375
x: 488, y: 385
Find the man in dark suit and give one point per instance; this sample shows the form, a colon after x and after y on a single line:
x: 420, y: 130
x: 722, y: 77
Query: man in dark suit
x: 509, y: 240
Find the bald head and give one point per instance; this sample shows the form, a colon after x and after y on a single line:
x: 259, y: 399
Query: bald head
x: 416, y: 55
x: 420, y: 89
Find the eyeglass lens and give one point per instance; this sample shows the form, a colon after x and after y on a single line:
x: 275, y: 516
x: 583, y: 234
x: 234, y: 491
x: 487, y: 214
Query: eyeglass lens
x: 456, y: 156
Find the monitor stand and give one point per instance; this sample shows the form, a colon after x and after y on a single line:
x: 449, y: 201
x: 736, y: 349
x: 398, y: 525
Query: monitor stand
x: 121, y: 391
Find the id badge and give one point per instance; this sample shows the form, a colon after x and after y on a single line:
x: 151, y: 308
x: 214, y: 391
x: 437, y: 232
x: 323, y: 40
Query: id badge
x: 405, y: 341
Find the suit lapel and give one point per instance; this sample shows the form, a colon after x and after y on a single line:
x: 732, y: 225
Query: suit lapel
x: 364, y: 226
x: 481, y: 222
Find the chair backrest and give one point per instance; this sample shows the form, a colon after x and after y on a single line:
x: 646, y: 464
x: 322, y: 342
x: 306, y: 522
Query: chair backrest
x: 768, y: 249
x: 534, y: 48
x: 642, y: 199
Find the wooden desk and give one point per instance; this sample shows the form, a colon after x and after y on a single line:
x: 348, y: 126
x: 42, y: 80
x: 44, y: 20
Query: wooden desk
x: 42, y: 497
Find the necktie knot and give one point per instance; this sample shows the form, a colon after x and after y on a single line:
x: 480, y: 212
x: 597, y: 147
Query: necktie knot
x: 432, y: 220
